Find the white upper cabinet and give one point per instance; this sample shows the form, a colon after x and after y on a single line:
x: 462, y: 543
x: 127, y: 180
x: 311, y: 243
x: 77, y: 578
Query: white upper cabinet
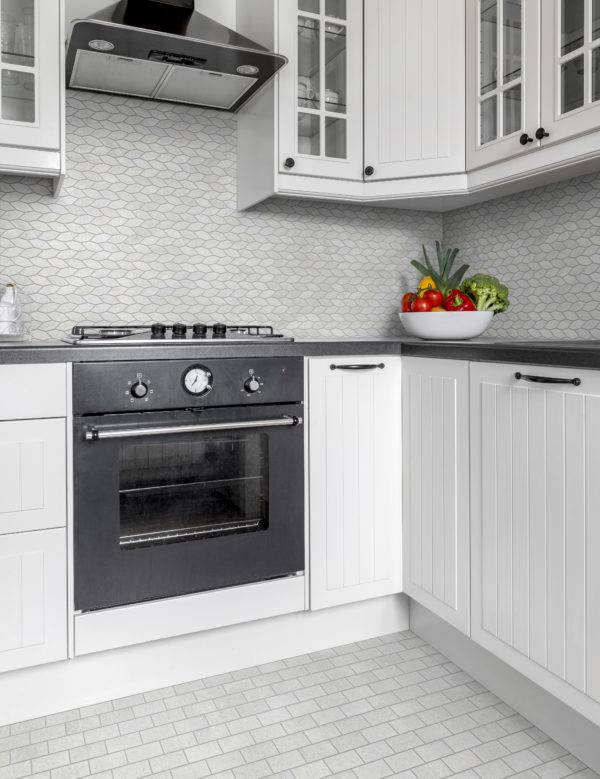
x: 354, y: 478
x: 435, y: 486
x: 414, y: 88
x: 570, y: 68
x: 31, y: 92
x: 503, y: 75
x: 535, y: 461
x: 320, y: 91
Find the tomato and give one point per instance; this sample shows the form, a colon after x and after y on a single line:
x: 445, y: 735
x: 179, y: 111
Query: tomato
x: 421, y: 304
x: 407, y: 301
x: 434, y: 296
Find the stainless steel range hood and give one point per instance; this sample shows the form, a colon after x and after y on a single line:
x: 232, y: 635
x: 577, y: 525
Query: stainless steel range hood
x: 165, y: 50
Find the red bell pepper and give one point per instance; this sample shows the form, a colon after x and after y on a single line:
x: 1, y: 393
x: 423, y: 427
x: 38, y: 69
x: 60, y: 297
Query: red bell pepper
x: 458, y: 301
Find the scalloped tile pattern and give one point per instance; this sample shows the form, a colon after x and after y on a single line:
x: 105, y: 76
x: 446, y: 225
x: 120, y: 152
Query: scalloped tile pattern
x: 545, y: 245
x: 146, y: 228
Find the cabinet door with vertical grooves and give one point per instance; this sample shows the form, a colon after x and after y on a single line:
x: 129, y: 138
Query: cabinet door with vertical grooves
x: 535, y: 460
x: 435, y: 411
x: 354, y: 478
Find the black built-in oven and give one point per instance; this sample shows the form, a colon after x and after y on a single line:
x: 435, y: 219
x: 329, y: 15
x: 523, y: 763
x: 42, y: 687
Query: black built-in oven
x: 188, y: 476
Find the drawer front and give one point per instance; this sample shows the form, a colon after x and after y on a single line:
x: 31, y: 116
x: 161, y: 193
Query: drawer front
x: 33, y: 391
x: 34, y: 478
x: 33, y: 598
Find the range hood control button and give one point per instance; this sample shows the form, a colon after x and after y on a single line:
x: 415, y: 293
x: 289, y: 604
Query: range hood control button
x: 139, y: 389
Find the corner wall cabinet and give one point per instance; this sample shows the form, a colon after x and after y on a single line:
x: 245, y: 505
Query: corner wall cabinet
x: 354, y: 478
x: 31, y: 86
x: 535, y: 460
x: 33, y: 515
x: 435, y: 485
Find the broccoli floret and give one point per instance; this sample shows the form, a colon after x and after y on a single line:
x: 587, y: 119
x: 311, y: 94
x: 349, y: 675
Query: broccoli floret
x: 487, y: 292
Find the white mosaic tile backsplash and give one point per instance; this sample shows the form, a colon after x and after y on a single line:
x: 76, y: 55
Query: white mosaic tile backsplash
x: 146, y: 228
x: 545, y: 244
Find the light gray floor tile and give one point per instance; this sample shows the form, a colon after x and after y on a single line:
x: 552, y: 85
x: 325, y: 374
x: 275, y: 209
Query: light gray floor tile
x: 389, y: 706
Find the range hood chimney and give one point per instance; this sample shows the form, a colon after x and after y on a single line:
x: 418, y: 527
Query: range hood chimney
x: 165, y: 50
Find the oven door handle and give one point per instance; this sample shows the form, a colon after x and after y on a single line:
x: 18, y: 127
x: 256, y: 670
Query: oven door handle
x: 98, y: 434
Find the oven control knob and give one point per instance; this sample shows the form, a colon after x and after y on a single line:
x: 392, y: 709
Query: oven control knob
x: 139, y: 389
x: 251, y: 384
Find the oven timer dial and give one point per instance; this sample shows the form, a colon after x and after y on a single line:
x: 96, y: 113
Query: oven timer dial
x: 197, y: 380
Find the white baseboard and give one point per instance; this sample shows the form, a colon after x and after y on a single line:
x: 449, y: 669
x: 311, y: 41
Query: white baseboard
x: 101, y: 676
x: 562, y: 723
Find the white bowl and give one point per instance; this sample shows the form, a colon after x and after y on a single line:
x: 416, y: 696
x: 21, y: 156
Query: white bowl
x: 446, y: 325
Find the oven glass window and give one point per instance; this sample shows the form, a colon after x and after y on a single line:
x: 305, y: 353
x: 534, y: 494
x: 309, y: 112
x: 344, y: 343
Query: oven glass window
x: 193, y: 489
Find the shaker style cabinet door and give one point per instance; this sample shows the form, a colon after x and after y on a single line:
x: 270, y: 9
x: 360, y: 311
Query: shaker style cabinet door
x: 30, y: 104
x: 33, y: 598
x: 34, y: 476
x: 570, y: 68
x: 535, y: 461
x: 321, y: 89
x: 503, y: 74
x: 354, y: 478
x: 414, y: 88
x: 435, y: 457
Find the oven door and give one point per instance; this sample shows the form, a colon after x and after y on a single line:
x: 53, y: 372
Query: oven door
x: 170, y: 503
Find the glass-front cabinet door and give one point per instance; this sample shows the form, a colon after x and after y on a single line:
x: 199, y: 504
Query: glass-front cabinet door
x: 502, y: 79
x: 570, y: 68
x: 30, y: 73
x: 320, y: 91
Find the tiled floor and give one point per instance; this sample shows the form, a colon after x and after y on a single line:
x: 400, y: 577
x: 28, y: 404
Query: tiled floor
x: 391, y: 706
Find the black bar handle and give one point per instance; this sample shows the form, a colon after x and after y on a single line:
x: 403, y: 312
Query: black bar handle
x: 356, y: 367
x: 547, y: 379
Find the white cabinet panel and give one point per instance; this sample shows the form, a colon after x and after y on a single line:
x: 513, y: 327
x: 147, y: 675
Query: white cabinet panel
x: 33, y: 598
x: 33, y: 468
x: 33, y: 391
x: 535, y: 461
x: 435, y: 412
x: 354, y: 479
x: 414, y: 87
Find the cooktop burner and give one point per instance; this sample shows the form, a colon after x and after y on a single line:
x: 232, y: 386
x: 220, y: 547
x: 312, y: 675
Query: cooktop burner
x: 159, y: 334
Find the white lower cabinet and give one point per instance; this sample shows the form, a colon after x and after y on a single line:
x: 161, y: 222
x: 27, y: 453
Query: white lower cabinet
x: 535, y: 465
x: 355, y: 478
x: 33, y: 598
x: 435, y: 413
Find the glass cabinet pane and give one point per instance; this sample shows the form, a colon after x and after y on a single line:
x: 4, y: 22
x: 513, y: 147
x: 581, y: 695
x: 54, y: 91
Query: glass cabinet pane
x: 335, y: 68
x: 512, y: 40
x: 18, y: 96
x: 595, y: 19
x: 572, y: 25
x: 489, y: 45
x: 571, y: 77
x: 335, y: 8
x: 512, y: 110
x: 18, y: 32
x: 488, y: 120
x: 596, y: 74
x: 335, y: 137
x: 309, y: 73
x: 309, y: 6
x: 309, y: 134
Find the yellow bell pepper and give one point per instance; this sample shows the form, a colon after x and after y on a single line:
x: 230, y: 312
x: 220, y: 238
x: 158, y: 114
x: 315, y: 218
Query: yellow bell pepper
x: 426, y: 283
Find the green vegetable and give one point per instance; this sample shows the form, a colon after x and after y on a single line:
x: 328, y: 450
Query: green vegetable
x: 444, y: 279
x: 488, y: 293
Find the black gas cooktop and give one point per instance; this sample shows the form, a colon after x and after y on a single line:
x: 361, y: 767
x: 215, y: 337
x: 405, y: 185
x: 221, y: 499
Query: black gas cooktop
x: 159, y: 334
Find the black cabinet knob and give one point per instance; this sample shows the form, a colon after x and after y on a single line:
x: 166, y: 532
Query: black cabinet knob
x: 525, y: 139
x: 290, y: 162
x: 369, y: 170
x: 540, y: 133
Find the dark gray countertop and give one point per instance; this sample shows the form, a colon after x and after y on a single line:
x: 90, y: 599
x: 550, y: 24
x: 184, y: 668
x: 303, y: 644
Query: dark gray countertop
x: 581, y: 354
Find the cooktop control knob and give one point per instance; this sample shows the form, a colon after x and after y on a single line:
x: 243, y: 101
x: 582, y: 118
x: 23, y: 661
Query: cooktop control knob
x: 252, y: 384
x: 179, y: 330
x: 199, y: 330
x: 219, y: 330
x: 139, y: 389
x: 158, y: 330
